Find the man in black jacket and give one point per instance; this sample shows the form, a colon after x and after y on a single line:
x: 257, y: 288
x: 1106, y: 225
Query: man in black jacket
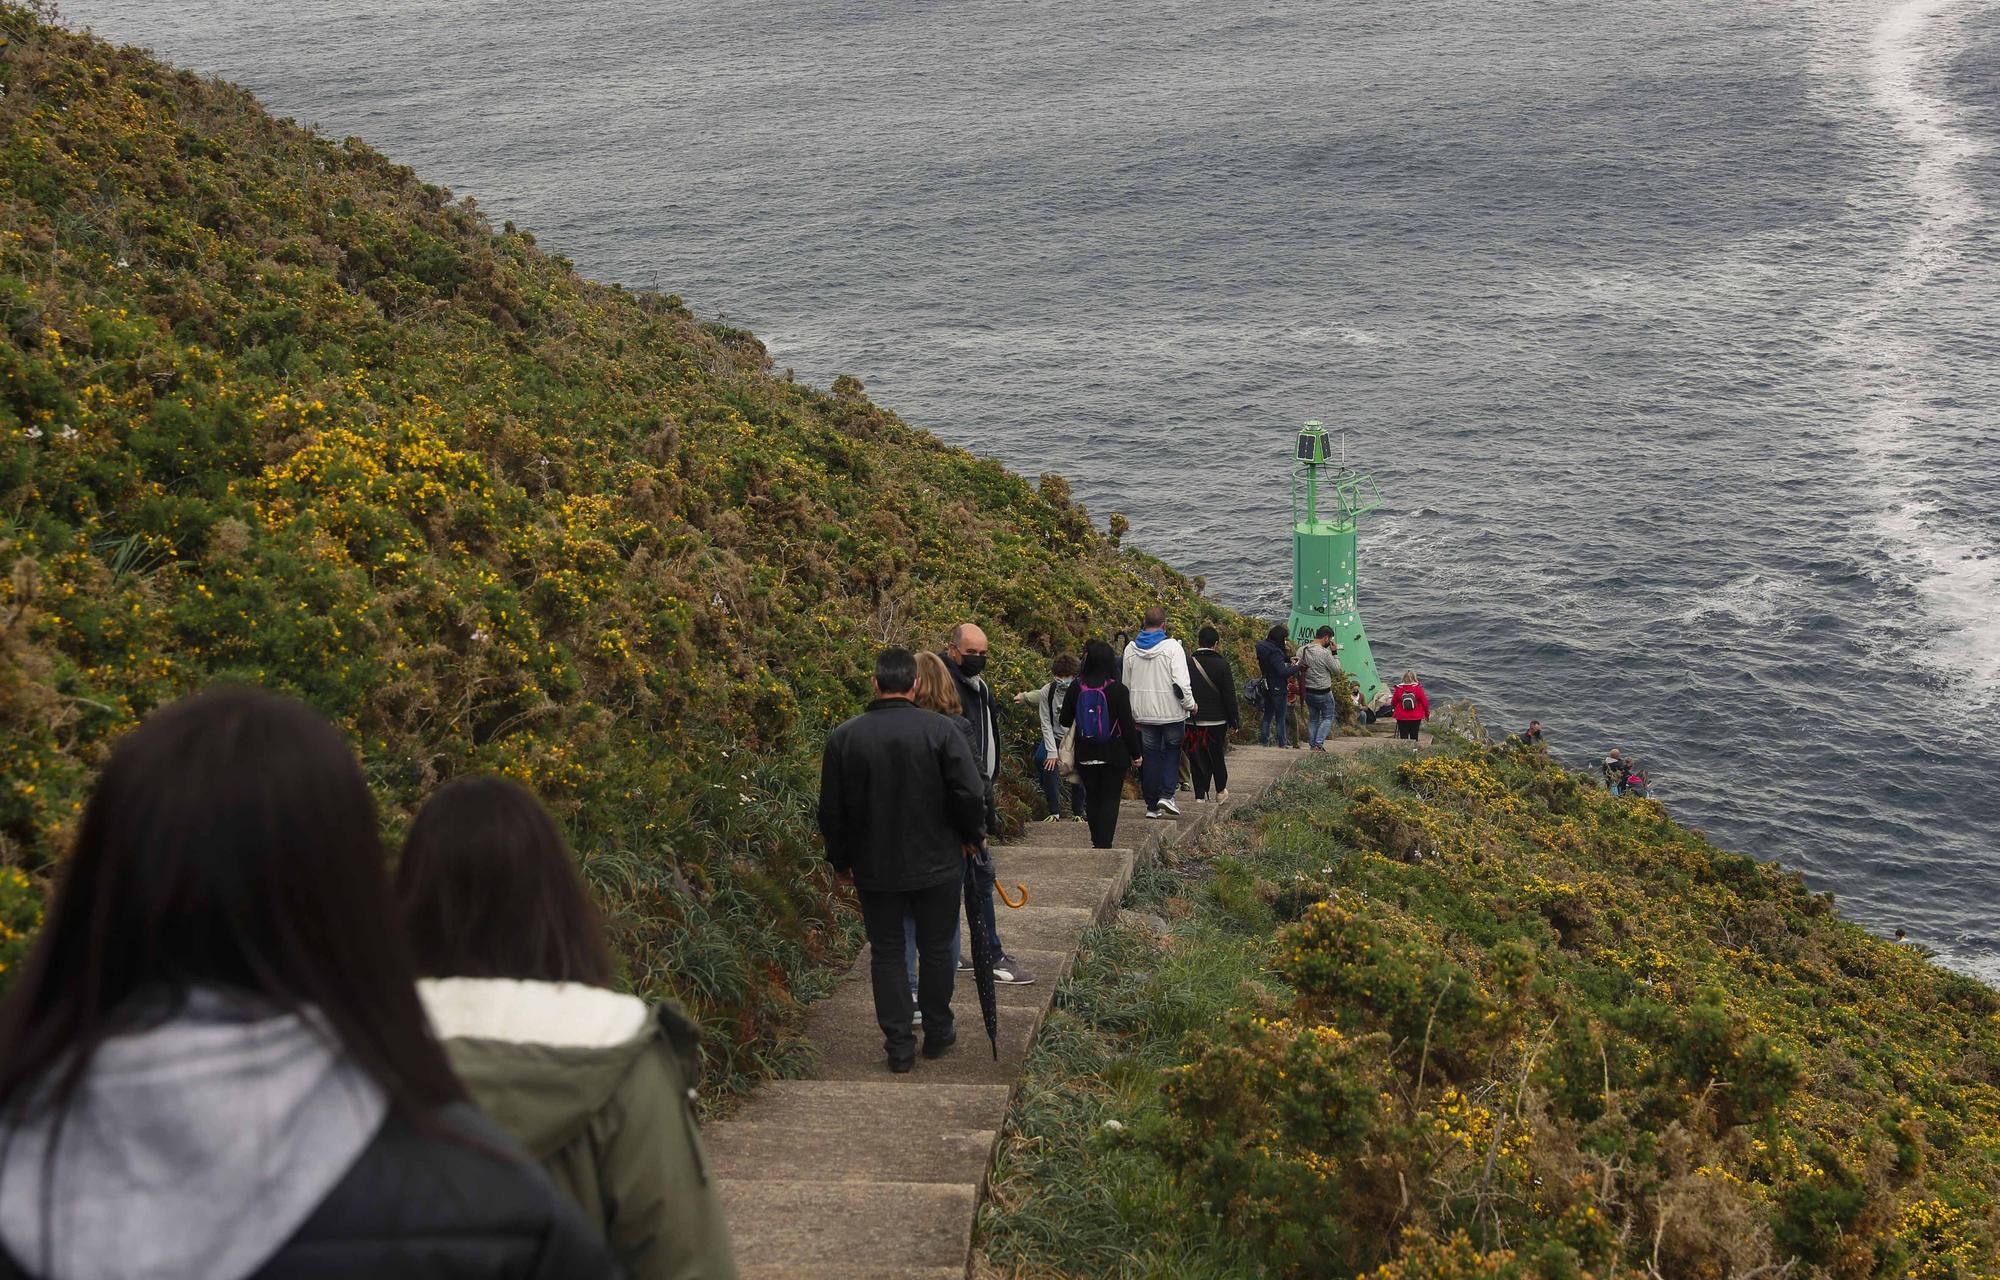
x: 965, y: 657
x: 901, y: 805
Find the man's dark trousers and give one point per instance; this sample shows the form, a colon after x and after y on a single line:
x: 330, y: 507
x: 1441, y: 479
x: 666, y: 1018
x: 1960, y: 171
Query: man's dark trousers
x: 936, y: 914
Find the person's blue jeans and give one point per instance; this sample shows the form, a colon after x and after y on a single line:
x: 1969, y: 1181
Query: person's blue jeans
x: 1052, y: 785
x: 1160, y: 772
x: 1274, y: 714
x: 1319, y: 715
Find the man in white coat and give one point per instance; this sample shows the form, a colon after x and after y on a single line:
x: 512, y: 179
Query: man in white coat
x: 1156, y: 675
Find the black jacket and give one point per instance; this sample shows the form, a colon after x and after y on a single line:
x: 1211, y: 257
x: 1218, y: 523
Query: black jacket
x: 898, y: 795
x: 1123, y: 748
x: 981, y: 712
x: 975, y: 699
x: 1273, y: 666
x: 414, y: 1206
x: 1215, y: 697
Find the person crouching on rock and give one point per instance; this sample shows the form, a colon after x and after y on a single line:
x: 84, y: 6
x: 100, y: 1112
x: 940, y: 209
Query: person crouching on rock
x: 901, y: 806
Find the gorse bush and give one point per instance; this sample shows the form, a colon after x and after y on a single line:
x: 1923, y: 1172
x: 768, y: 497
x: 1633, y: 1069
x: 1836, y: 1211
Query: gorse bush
x: 1462, y: 1015
x: 1552, y: 1033
x: 274, y: 409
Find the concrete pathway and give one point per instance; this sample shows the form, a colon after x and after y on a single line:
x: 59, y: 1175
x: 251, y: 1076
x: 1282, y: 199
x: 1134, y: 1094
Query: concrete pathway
x: 860, y: 1173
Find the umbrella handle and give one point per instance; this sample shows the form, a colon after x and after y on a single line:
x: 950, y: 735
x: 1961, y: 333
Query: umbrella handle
x: 1018, y: 888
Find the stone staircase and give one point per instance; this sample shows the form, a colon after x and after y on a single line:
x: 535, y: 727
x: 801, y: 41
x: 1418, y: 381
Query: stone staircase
x: 859, y: 1173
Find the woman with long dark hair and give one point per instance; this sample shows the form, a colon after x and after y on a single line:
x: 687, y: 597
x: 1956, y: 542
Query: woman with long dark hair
x: 214, y: 1063
x: 1214, y: 716
x: 1098, y: 710
x: 517, y: 982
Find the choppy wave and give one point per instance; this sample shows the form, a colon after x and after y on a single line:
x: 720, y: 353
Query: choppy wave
x: 1953, y: 567
x: 1762, y: 600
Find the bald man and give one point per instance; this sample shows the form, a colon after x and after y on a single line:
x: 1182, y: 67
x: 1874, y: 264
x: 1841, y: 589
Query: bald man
x: 965, y: 654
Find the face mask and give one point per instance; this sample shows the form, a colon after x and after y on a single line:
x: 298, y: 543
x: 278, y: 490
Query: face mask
x: 972, y: 664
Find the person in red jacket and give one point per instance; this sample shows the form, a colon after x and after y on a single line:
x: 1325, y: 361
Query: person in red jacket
x: 1409, y: 705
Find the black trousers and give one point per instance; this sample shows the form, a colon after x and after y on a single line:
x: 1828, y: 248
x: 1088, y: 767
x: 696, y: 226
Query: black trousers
x: 1209, y: 761
x: 1103, y: 788
x: 1408, y: 729
x: 936, y: 914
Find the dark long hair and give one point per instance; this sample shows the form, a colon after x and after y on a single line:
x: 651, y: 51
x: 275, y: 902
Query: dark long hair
x: 1099, y: 663
x: 489, y: 890
x: 229, y: 842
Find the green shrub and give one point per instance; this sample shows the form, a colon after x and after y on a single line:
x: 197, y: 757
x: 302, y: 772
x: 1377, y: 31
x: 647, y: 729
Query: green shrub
x: 1568, y: 1038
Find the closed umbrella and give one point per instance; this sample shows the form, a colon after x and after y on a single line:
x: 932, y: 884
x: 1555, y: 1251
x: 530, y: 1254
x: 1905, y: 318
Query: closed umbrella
x: 979, y: 916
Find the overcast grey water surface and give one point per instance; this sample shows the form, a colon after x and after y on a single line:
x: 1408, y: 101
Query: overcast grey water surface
x: 1668, y: 329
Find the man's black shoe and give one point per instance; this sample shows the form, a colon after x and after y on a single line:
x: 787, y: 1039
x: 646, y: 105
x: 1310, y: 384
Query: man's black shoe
x: 941, y: 1046
x: 903, y: 1066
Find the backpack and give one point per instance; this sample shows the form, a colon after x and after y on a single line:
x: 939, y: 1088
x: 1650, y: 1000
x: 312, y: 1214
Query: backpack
x: 1409, y: 700
x: 1093, y: 714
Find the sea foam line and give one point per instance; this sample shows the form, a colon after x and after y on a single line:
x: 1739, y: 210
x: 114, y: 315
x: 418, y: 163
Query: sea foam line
x: 1956, y: 575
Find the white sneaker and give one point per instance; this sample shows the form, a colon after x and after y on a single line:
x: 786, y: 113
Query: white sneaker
x: 1154, y: 813
x: 1168, y: 806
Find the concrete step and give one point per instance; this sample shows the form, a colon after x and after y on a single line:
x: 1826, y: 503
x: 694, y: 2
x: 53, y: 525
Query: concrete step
x: 850, y: 1273
x: 803, y: 1104
x: 870, y: 1146
x: 1023, y: 862
x: 1042, y: 927
x: 1135, y: 811
x: 851, y: 1047
x: 855, y: 997
x: 1087, y: 891
x: 1273, y: 754
x: 797, y: 1228
x: 1051, y: 835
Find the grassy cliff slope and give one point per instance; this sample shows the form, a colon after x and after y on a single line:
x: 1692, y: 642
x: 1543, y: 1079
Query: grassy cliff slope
x: 272, y: 407
x: 1467, y: 1017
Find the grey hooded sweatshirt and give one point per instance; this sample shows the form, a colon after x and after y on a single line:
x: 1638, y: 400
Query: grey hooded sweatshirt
x: 194, y: 1148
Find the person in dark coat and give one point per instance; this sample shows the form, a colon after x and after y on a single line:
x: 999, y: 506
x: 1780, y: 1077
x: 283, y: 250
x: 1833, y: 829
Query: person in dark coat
x: 901, y: 805
x: 1214, y: 686
x: 966, y: 657
x: 1104, y: 752
x: 1276, y: 669
x: 214, y: 1064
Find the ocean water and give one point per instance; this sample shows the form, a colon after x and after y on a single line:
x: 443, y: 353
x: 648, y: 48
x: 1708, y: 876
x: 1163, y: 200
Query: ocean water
x: 1667, y: 330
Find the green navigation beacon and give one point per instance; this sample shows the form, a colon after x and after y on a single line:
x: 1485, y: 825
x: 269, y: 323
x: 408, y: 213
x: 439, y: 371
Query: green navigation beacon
x: 1326, y: 497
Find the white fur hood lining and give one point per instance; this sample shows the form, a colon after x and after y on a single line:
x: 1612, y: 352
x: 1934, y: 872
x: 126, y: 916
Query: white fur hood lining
x: 568, y: 1015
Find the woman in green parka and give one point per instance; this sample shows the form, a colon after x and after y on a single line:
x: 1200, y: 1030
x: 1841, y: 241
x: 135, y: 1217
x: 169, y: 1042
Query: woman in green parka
x: 595, y: 1084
